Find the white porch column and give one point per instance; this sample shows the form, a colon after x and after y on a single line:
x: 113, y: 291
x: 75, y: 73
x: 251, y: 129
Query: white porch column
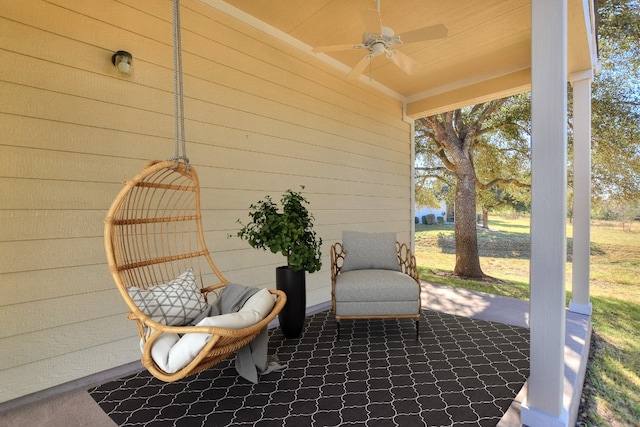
x: 544, y: 403
x: 581, y: 191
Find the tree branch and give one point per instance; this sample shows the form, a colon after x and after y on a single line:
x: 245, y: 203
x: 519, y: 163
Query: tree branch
x: 473, y: 132
x: 499, y: 182
x: 442, y: 178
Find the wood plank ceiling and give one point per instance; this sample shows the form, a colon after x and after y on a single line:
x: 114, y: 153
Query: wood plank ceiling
x: 486, y: 53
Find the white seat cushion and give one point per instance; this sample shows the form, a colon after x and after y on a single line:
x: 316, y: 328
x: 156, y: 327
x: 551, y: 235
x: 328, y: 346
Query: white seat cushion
x: 172, y: 352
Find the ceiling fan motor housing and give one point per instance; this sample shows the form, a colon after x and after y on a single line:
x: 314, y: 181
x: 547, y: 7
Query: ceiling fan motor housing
x: 378, y: 44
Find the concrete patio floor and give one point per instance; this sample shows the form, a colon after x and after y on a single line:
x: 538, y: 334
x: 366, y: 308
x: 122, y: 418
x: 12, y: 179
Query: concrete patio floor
x: 515, y: 312
x: 70, y: 405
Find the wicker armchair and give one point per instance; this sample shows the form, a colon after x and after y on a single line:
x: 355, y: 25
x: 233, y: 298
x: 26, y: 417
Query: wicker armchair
x: 152, y: 234
x: 370, y: 291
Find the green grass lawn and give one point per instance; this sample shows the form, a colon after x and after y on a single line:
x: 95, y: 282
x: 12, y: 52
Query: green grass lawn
x: 612, y: 385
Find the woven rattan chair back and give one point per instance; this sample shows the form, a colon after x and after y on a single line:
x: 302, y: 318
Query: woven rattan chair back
x: 153, y: 233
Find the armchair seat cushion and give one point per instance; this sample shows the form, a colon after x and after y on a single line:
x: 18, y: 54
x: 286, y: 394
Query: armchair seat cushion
x: 376, y: 292
x: 376, y: 285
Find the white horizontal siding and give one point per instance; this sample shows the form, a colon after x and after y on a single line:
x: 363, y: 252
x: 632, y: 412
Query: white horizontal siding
x: 261, y: 118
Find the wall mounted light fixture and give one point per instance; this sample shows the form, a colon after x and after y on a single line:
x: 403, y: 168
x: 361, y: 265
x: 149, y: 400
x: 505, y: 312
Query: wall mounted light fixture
x: 123, y: 61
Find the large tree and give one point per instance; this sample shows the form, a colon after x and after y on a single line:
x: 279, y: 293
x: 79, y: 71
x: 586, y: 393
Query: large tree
x: 447, y: 147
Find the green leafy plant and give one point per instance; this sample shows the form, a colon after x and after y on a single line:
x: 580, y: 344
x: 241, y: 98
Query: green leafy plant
x: 289, y: 232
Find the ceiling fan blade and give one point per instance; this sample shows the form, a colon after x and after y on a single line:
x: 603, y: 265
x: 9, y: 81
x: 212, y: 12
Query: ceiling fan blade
x: 336, y: 48
x: 371, y: 20
x: 432, y: 32
x: 405, y: 63
x: 359, y: 68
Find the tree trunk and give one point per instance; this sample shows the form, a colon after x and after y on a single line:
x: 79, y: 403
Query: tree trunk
x: 485, y: 218
x: 467, y: 255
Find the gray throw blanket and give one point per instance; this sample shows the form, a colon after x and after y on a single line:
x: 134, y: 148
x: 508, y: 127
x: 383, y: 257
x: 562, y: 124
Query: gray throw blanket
x: 251, y: 360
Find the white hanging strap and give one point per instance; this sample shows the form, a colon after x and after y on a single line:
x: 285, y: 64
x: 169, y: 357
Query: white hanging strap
x: 178, y: 89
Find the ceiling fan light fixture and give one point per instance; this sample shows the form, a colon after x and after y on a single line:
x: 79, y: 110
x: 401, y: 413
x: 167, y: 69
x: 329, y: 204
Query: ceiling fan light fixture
x: 378, y: 49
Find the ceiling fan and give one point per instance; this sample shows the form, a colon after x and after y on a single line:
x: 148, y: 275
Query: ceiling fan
x: 381, y: 40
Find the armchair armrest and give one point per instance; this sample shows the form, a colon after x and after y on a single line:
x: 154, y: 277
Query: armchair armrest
x: 407, y: 261
x: 337, y: 259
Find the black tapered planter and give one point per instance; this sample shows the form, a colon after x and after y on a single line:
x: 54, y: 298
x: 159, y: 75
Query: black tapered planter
x: 293, y: 284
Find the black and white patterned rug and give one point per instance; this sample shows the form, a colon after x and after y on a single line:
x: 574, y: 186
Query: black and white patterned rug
x: 462, y: 372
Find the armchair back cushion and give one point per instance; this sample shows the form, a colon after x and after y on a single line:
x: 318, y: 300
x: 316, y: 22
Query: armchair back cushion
x: 364, y: 251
